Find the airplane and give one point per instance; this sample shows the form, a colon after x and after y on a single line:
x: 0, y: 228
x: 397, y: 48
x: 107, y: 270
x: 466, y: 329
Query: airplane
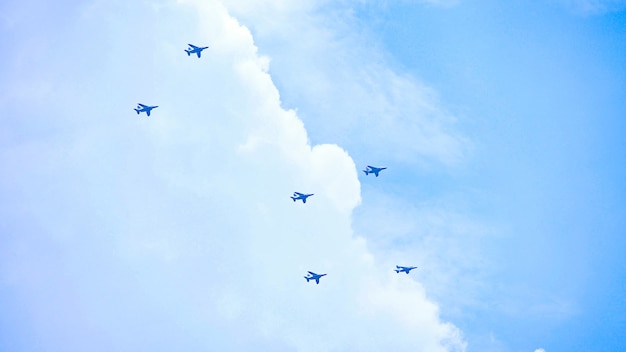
x: 195, y: 50
x: 314, y: 276
x: 297, y: 195
x: 374, y: 170
x: 144, y: 108
x: 405, y: 269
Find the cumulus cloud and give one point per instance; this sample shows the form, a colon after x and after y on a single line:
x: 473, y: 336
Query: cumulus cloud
x: 540, y: 350
x: 438, y: 237
x: 344, y: 87
x: 122, y: 232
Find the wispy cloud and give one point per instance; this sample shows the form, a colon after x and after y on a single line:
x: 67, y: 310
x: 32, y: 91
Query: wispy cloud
x: 443, y: 3
x: 345, y: 90
x: 593, y: 7
x: 438, y: 237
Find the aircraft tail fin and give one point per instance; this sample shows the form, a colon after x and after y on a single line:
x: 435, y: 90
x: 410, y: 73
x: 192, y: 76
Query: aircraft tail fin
x: 366, y: 173
x: 188, y: 52
x: 396, y: 270
x: 137, y: 111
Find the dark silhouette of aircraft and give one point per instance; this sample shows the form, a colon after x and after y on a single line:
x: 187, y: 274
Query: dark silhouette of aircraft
x: 144, y: 108
x: 313, y: 276
x: 195, y: 50
x: 375, y: 170
x: 302, y: 196
x: 405, y: 269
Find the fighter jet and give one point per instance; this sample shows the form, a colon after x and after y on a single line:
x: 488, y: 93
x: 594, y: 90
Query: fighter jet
x: 297, y: 195
x: 313, y: 276
x: 144, y: 108
x: 195, y: 50
x: 405, y: 269
x: 375, y: 170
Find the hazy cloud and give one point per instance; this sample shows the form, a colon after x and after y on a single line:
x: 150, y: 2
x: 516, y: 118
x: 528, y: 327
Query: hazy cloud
x: 593, y: 7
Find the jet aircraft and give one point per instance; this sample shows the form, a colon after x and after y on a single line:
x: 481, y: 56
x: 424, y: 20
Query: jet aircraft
x: 405, y: 269
x: 302, y: 196
x: 195, y: 50
x: 375, y: 170
x: 313, y: 276
x: 144, y: 108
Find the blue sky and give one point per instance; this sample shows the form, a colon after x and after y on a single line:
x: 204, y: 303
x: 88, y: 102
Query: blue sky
x: 541, y: 91
x: 501, y: 124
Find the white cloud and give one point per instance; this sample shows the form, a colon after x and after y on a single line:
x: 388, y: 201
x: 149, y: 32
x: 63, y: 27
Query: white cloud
x: 540, y: 350
x: 176, y: 231
x: 439, y: 238
x: 342, y: 83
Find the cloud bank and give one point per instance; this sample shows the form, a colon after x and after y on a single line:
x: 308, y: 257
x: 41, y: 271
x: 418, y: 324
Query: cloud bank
x: 122, y: 232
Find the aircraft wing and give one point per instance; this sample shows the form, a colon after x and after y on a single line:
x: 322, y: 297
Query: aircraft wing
x: 312, y: 273
x: 297, y: 194
x: 193, y: 46
x: 143, y: 106
x: 148, y: 112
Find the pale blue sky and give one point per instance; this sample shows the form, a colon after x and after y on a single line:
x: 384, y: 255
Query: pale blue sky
x: 502, y: 124
x: 541, y: 92
x: 538, y: 88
